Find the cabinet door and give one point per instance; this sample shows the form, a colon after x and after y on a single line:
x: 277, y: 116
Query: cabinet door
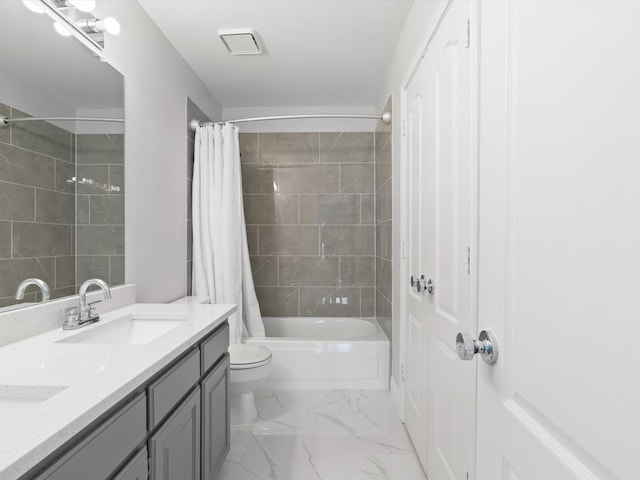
x: 215, y: 419
x: 136, y: 469
x: 175, y: 447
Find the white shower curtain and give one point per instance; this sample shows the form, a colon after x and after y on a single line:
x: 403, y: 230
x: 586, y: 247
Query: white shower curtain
x: 221, y: 268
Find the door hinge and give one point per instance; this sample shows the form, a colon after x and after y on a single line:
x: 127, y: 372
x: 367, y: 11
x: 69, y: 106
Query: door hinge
x: 402, y: 375
x: 468, y: 260
x: 403, y: 255
x: 466, y: 475
x: 404, y: 128
x: 468, y: 42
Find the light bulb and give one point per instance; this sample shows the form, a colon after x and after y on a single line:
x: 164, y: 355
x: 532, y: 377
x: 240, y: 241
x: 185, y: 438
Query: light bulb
x: 111, y: 25
x: 83, y: 5
x: 61, y: 29
x: 33, y: 6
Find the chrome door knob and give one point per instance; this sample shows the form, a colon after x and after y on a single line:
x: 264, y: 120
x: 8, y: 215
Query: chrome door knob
x: 430, y: 286
x: 486, y: 346
x: 421, y: 284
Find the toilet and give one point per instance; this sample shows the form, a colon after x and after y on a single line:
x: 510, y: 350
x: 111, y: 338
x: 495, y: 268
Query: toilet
x: 250, y: 367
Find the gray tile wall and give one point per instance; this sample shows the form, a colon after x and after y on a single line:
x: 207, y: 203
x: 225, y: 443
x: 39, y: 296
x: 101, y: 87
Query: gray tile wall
x: 37, y: 207
x: 100, y: 207
x: 309, y: 202
x: 384, y: 220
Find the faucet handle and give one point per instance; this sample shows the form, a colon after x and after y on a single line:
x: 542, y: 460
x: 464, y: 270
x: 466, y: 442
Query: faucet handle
x: 92, y: 309
x: 72, y: 315
x: 70, y: 311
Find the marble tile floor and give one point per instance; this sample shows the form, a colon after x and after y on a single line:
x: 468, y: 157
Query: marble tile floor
x: 322, y: 435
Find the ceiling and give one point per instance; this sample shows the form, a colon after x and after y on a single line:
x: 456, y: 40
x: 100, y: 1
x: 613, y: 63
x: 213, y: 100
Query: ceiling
x: 317, y: 52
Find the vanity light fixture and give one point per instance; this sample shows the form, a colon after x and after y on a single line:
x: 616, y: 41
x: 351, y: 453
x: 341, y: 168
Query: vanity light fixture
x: 74, y: 18
x: 82, y: 5
x: 33, y: 6
x: 241, y: 41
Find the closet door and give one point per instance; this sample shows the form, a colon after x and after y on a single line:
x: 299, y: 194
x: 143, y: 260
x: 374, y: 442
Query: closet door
x: 441, y: 175
x: 451, y: 242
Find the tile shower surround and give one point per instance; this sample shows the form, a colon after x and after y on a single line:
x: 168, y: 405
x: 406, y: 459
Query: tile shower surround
x: 38, y: 209
x: 309, y: 202
x: 384, y: 221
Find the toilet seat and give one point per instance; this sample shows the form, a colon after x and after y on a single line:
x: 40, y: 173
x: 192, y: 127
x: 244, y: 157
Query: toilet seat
x: 245, y: 356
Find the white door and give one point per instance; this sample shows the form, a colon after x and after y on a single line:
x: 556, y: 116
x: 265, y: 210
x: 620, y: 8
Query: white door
x: 450, y: 137
x: 415, y: 365
x: 559, y: 240
x: 439, y: 390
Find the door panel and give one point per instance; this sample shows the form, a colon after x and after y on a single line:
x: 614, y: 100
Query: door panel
x: 446, y: 167
x: 560, y: 269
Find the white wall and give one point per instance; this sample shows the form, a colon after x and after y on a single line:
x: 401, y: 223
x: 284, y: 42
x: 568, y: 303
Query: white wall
x: 307, y: 125
x: 157, y: 82
x: 407, y: 51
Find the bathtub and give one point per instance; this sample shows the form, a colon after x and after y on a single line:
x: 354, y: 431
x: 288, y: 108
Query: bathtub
x: 331, y: 353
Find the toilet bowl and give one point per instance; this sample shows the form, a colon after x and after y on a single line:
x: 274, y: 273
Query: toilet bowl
x: 250, y: 367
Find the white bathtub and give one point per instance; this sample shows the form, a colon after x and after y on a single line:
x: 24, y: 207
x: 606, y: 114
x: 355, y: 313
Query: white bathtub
x: 331, y: 353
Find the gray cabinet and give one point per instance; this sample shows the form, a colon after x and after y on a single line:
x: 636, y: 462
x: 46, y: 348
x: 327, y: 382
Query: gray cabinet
x: 215, y: 419
x: 136, y: 469
x: 183, y: 419
x: 100, y: 453
x: 165, y: 393
x: 175, y: 448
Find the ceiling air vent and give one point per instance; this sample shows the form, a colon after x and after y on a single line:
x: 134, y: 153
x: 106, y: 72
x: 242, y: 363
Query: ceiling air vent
x: 241, y: 41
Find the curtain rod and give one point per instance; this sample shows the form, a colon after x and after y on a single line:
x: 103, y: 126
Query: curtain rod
x: 5, y: 121
x: 385, y: 118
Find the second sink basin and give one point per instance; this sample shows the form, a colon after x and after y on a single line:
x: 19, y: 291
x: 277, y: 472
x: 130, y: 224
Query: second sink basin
x: 129, y: 330
x: 19, y: 399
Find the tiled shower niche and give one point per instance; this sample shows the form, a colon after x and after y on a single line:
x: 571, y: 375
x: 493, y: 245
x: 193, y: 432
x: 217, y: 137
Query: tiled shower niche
x: 309, y: 202
x: 40, y: 205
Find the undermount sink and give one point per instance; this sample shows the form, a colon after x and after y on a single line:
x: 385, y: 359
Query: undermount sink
x: 126, y: 331
x: 18, y: 399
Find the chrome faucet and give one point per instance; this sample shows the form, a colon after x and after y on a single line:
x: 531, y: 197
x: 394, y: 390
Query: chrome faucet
x: 41, y: 284
x: 84, y: 313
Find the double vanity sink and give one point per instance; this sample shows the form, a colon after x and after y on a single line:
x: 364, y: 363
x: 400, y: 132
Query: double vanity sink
x: 56, y: 385
x: 130, y: 329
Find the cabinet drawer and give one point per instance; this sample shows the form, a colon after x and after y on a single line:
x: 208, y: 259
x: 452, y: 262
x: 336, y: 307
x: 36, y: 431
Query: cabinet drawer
x: 166, y: 392
x: 215, y: 347
x: 98, y: 455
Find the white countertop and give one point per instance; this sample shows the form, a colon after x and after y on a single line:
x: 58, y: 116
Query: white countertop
x: 95, y: 377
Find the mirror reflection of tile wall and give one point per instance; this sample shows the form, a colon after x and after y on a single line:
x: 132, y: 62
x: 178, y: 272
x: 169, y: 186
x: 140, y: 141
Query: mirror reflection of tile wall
x: 100, y: 207
x: 38, y: 198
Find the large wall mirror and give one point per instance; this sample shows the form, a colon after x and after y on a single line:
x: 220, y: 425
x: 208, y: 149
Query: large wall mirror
x: 61, y: 183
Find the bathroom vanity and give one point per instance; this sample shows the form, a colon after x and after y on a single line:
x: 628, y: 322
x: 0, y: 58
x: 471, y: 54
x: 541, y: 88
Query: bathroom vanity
x: 144, y: 393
